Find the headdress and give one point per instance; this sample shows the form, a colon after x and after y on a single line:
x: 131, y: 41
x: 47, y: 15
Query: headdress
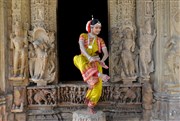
x: 88, y: 25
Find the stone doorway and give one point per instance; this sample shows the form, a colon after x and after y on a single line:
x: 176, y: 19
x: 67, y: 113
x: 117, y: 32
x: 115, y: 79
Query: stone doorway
x: 71, y: 21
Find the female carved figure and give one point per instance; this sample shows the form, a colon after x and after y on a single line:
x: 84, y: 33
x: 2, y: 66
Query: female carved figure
x: 90, y: 64
x: 128, y: 47
x: 41, y: 60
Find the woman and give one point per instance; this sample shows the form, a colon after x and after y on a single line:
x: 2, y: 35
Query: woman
x: 90, y: 64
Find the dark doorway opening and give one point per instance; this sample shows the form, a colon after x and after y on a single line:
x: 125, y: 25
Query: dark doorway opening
x: 71, y: 21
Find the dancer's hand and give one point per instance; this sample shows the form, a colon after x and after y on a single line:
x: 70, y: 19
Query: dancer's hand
x: 94, y: 58
x: 103, y: 65
x: 104, y: 77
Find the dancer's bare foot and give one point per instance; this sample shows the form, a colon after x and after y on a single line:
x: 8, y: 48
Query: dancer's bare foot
x: 91, y: 110
x: 104, y: 77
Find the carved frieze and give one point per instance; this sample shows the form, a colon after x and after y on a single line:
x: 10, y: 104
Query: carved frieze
x: 41, y: 96
x: 113, y: 94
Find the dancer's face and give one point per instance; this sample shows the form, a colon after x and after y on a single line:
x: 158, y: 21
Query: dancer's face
x: 96, y: 29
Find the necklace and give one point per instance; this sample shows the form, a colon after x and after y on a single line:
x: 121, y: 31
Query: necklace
x: 90, y: 46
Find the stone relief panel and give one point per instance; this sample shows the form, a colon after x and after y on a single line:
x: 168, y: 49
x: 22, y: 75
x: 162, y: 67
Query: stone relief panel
x: 149, y: 10
x: 131, y: 47
x: 123, y: 64
x: 42, y: 56
x: 43, y: 14
x: 41, y: 96
x: 147, y: 35
x: 18, y: 25
x: 172, y: 46
x: 19, y: 46
x: 128, y: 56
x: 115, y: 94
x: 16, y: 7
x: 19, y: 97
x: 34, y: 48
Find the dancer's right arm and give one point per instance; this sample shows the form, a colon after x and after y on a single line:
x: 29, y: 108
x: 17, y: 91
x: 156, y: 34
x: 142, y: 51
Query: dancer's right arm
x: 83, y: 50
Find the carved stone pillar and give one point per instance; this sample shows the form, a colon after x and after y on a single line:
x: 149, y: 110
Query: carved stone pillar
x: 167, y: 79
x: 5, y: 99
x: 3, y: 45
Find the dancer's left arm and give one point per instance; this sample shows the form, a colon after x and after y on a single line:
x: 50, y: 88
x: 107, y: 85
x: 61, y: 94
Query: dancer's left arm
x: 105, y: 54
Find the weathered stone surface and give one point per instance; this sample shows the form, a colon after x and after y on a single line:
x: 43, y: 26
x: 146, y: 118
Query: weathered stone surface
x: 84, y: 115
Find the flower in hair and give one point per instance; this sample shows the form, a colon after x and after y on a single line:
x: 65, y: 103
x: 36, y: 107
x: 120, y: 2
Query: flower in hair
x: 88, y: 26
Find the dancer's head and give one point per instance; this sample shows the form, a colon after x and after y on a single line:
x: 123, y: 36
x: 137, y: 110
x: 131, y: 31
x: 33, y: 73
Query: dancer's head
x: 93, y: 26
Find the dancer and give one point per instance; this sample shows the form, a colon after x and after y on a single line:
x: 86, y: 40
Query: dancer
x: 90, y: 64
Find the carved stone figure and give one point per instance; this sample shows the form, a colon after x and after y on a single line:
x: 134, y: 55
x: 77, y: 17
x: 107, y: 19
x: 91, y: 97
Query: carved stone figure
x: 147, y: 36
x: 40, y: 14
x: 18, y: 103
x: 116, y: 94
x: 62, y: 98
x: 138, y: 95
x: 42, y: 56
x: 72, y: 94
x: 149, y: 7
x: 30, y: 94
x: 20, y: 46
x: 79, y: 96
x: 41, y: 60
x: 129, y: 94
x: 32, y: 57
x: 172, y: 56
x: 172, y: 52
x: 53, y: 96
x: 128, y: 47
x: 66, y: 94
x: 40, y: 97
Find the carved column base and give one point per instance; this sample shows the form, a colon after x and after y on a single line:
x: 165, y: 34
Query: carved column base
x: 168, y: 106
x: 83, y: 115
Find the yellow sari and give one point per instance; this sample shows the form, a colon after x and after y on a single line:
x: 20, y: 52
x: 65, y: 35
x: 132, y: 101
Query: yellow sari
x: 89, y: 70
